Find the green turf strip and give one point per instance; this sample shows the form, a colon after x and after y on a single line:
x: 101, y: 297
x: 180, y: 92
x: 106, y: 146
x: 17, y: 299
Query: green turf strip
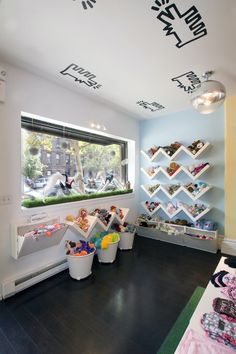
x: 176, y: 333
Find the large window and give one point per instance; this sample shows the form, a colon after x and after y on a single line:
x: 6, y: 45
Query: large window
x: 59, y: 161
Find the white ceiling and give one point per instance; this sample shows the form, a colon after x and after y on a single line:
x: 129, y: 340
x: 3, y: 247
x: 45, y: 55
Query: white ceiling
x: 124, y: 52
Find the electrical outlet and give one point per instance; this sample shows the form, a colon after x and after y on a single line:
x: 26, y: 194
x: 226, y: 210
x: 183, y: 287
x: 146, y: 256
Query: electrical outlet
x: 5, y: 199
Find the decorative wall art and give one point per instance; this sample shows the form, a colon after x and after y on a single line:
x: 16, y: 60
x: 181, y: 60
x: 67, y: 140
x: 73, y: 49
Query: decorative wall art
x: 188, y: 81
x: 186, y: 27
x: 81, y: 75
x: 154, y: 106
x: 88, y: 4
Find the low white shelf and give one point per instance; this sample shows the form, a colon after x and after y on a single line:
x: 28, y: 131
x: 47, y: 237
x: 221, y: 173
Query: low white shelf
x: 23, y: 246
x: 178, y: 235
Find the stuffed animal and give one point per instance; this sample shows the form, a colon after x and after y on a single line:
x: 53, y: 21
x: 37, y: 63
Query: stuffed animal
x: 173, y: 167
x: 152, y: 150
x: 173, y: 188
x: 196, y: 146
x: 194, y: 170
x: 172, y: 148
x: 151, y: 206
x: 118, y: 211
x: 82, y: 220
x: 151, y: 170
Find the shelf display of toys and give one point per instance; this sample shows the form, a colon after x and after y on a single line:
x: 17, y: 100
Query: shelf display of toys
x: 33, y: 237
x: 171, y: 151
x: 83, y: 223
x: 117, y: 211
x: 106, y: 245
x: 104, y: 216
x: 151, y: 206
x: 153, y: 188
x: 80, y: 258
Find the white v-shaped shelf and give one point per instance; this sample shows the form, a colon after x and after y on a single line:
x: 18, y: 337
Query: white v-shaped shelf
x: 180, y: 169
x: 161, y: 152
x: 182, y: 188
x: 177, y: 211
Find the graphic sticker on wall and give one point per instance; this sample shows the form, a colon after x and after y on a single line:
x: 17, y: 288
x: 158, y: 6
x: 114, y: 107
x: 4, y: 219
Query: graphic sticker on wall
x: 186, y: 27
x: 88, y: 3
x: 154, y: 106
x: 189, y: 81
x: 81, y: 76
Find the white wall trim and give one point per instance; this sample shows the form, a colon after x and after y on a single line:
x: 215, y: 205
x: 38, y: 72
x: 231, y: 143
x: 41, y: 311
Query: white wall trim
x: 229, y: 247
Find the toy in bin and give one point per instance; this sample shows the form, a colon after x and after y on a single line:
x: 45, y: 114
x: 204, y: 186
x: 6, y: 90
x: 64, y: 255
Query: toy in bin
x: 81, y: 248
x: 207, y: 225
x: 43, y: 230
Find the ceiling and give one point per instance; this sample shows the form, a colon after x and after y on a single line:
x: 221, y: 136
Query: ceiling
x: 142, y: 56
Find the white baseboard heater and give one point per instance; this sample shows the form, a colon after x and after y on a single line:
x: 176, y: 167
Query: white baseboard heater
x: 12, y: 286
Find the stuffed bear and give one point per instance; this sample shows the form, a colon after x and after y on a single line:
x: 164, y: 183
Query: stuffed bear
x: 196, y: 146
x: 173, y: 167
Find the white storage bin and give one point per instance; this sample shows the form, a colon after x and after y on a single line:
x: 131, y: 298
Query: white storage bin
x: 108, y: 255
x: 80, y: 266
x: 126, y: 240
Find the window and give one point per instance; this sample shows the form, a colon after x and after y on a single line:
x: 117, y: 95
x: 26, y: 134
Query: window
x: 72, y: 162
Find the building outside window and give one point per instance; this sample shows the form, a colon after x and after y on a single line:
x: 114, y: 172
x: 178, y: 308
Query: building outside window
x: 71, y: 161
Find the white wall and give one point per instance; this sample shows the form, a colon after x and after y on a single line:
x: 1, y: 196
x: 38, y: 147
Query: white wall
x: 32, y: 94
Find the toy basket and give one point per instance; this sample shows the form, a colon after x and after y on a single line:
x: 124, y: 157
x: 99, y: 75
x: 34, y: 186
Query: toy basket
x: 126, y: 240
x: 80, y: 266
x: 108, y: 255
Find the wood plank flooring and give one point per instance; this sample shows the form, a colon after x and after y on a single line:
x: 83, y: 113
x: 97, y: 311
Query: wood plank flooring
x: 126, y: 307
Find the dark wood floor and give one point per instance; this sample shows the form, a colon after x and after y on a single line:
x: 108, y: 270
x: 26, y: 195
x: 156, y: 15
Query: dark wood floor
x: 124, y: 308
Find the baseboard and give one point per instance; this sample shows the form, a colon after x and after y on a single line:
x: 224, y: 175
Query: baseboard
x: 228, y: 247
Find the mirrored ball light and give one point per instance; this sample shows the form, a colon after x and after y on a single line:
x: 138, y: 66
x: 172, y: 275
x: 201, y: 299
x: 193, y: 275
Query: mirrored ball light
x: 208, y: 97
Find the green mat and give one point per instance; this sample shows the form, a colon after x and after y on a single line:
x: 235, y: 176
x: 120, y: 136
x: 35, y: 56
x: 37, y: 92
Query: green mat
x: 174, y: 336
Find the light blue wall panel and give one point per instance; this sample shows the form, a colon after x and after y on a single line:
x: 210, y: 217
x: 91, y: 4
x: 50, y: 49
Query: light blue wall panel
x: 186, y: 127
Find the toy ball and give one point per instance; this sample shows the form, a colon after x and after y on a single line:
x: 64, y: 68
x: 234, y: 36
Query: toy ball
x: 48, y: 233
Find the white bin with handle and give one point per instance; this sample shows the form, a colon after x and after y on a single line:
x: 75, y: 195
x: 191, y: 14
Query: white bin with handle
x: 80, y: 267
x: 126, y: 240
x: 108, y: 255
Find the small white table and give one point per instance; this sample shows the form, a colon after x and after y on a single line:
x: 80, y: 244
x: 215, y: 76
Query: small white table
x: 205, y: 304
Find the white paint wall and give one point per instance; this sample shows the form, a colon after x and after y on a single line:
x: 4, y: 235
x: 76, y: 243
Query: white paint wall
x: 32, y: 94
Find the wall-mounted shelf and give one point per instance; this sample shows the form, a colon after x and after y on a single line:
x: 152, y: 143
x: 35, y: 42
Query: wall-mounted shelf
x: 176, y: 211
x: 161, y: 152
x: 25, y: 245
x: 180, y: 169
x: 92, y: 221
x: 125, y: 212
x: 182, y: 188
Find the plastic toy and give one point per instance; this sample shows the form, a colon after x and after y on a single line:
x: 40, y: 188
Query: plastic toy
x: 81, y: 248
x: 43, y: 230
x: 196, y: 146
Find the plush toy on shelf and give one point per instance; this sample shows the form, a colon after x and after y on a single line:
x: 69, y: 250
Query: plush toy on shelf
x: 151, y: 170
x: 173, y: 167
x: 152, y: 189
x: 172, y: 148
x: 82, y: 220
x: 152, y: 150
x: 118, y: 211
x: 196, y: 209
x: 171, y: 208
x: 151, y: 206
x: 194, y: 170
x: 172, y: 188
x: 195, y: 188
x: 196, y: 146
x: 103, y: 215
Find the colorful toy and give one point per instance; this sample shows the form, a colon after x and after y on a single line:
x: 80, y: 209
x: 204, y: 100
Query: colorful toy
x: 81, y: 248
x: 206, y: 225
x: 171, y: 208
x: 196, y: 209
x: 173, y: 167
x: 194, y: 170
x: 196, y: 146
x: 43, y: 230
x: 151, y: 170
x: 102, y: 239
x: 196, y: 188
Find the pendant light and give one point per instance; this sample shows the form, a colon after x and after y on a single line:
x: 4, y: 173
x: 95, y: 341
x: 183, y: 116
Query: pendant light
x: 209, y: 96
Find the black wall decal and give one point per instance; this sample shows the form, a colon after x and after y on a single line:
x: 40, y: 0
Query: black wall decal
x: 188, y: 81
x: 81, y: 76
x: 88, y: 3
x: 186, y: 27
x: 154, y: 106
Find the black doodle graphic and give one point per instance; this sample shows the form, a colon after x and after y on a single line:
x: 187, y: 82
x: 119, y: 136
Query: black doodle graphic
x: 154, y: 106
x: 189, y: 81
x: 88, y: 3
x: 81, y: 76
x: 186, y: 27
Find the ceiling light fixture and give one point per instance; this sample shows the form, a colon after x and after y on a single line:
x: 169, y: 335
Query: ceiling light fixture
x: 209, y: 96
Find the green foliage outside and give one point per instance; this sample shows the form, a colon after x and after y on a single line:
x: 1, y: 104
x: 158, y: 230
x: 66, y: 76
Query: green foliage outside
x: 32, y: 167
